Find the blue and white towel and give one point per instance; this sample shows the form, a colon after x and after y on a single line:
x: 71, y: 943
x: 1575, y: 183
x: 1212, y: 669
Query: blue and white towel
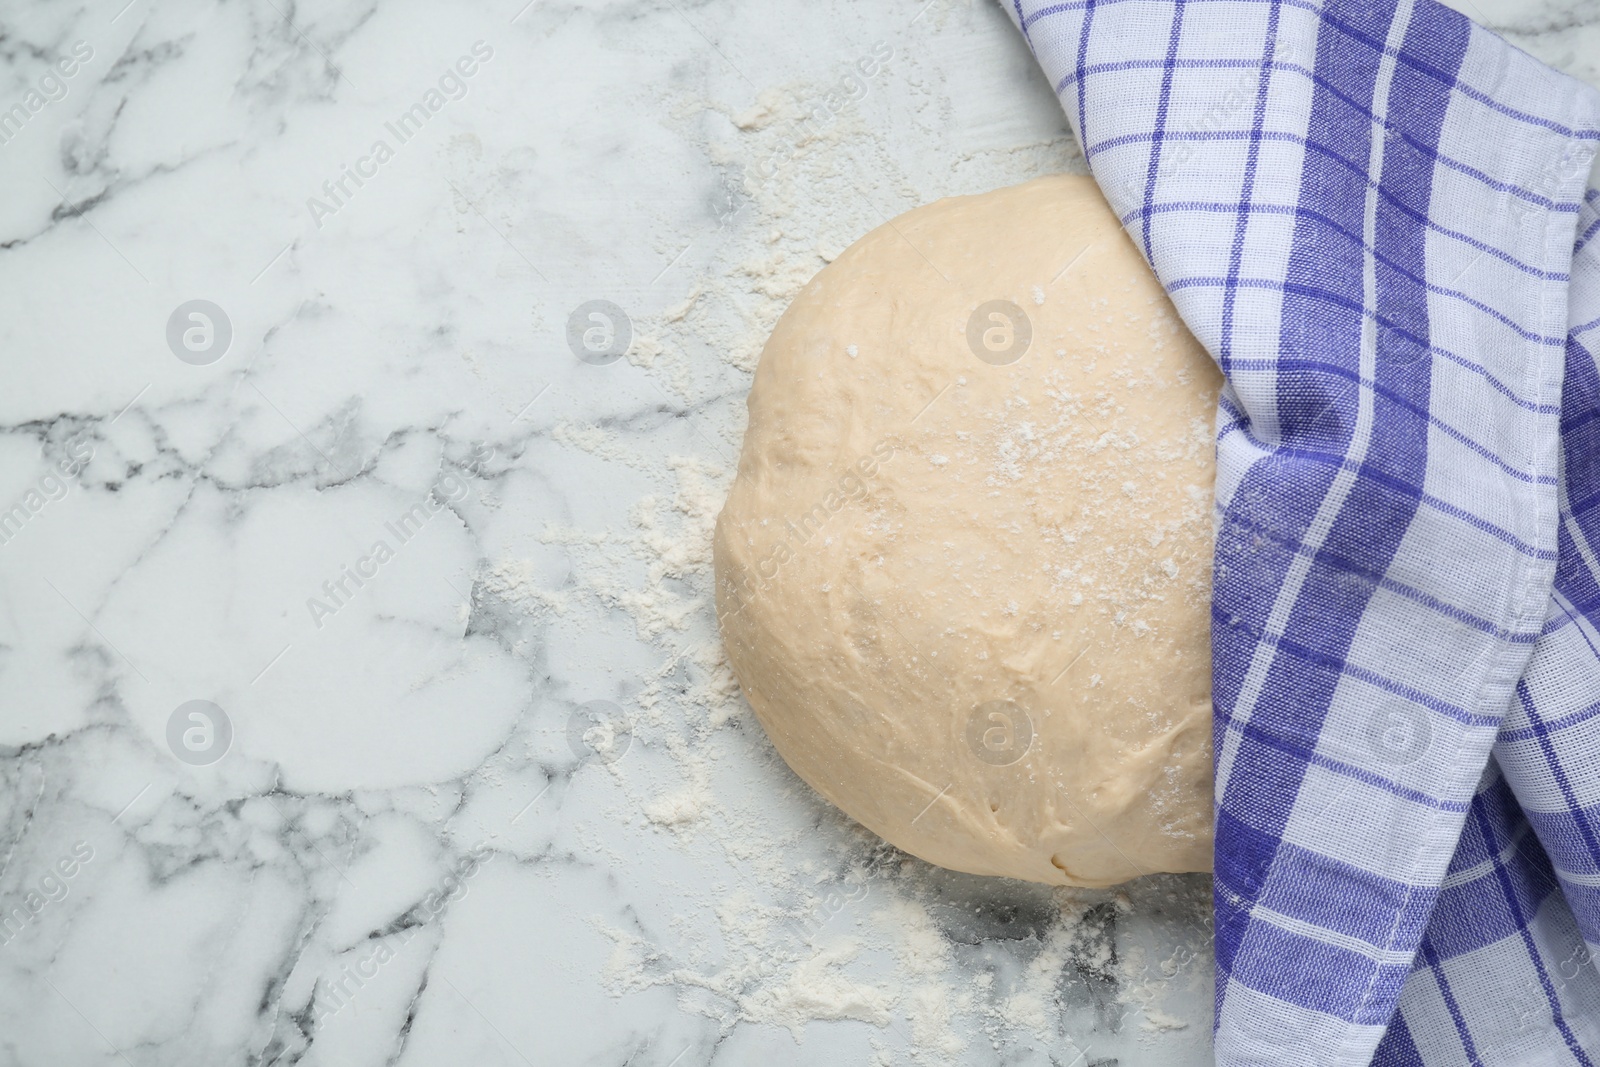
x: 1376, y: 217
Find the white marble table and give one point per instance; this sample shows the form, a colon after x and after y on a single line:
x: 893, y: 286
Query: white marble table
x: 468, y: 781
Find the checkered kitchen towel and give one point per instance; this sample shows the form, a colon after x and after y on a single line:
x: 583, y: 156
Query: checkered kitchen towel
x: 1375, y: 217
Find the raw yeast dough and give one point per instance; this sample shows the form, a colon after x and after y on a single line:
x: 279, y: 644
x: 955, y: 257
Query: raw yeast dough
x: 963, y: 576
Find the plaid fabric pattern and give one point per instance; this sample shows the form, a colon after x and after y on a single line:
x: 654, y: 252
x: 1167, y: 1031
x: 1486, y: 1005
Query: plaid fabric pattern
x: 1375, y: 217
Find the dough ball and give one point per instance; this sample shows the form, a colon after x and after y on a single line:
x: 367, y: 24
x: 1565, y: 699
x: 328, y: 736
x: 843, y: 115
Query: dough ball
x: 963, y: 575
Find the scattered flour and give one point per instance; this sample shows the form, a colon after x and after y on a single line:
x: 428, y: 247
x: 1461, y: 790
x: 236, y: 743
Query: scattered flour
x: 799, y: 940
x: 817, y: 990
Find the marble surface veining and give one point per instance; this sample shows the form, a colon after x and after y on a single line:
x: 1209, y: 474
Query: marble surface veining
x: 360, y: 697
